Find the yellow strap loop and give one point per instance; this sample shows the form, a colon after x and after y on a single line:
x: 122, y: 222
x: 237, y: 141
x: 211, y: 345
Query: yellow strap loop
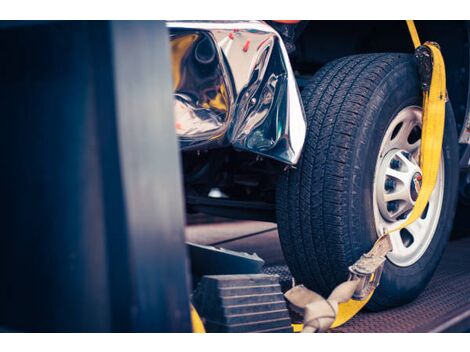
x: 347, y: 310
x: 432, y: 135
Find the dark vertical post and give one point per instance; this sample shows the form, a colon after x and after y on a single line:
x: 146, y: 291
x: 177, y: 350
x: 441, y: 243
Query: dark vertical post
x: 149, y: 158
x: 91, y: 206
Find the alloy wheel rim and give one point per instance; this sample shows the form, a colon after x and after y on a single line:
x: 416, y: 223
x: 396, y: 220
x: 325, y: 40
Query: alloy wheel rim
x: 397, y: 181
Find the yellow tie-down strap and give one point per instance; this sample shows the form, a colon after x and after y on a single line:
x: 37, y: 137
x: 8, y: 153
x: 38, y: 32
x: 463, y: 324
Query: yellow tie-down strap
x: 434, y: 107
x: 346, y: 311
x: 334, y: 311
x: 196, y: 322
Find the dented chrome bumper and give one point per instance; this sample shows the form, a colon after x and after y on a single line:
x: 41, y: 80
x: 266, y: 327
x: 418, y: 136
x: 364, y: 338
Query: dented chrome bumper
x: 234, y: 85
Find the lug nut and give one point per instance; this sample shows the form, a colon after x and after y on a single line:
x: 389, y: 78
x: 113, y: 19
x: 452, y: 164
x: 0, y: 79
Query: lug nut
x: 389, y: 184
x: 395, y: 164
x: 392, y: 206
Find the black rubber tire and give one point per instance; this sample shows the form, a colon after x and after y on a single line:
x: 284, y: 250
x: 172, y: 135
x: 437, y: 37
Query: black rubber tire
x: 324, y: 205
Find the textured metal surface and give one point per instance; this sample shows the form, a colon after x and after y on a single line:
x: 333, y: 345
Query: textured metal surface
x: 443, y: 304
x: 448, y: 291
x: 285, y: 277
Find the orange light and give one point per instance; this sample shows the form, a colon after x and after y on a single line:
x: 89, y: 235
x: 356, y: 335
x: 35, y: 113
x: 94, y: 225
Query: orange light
x: 287, y: 21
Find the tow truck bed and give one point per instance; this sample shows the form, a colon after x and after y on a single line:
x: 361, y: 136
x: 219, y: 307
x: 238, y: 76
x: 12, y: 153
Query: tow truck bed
x: 443, y: 307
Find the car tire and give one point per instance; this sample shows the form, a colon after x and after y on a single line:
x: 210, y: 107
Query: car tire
x: 325, y: 204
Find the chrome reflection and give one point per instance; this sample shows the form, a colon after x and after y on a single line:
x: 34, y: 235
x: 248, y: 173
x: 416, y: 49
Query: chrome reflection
x: 233, y: 84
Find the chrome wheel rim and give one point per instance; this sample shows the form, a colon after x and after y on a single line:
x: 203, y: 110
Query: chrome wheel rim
x: 397, y: 181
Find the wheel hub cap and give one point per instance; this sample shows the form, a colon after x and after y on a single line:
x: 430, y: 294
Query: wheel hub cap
x: 399, y: 182
x: 415, y: 187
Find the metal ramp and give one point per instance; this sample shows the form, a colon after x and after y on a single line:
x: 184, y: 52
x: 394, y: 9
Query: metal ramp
x: 443, y: 307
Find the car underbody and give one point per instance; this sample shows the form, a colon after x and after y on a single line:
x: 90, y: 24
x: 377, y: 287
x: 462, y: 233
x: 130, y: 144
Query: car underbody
x: 232, y: 161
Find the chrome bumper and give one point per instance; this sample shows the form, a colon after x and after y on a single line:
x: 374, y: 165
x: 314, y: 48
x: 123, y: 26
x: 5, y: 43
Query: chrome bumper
x: 234, y: 85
